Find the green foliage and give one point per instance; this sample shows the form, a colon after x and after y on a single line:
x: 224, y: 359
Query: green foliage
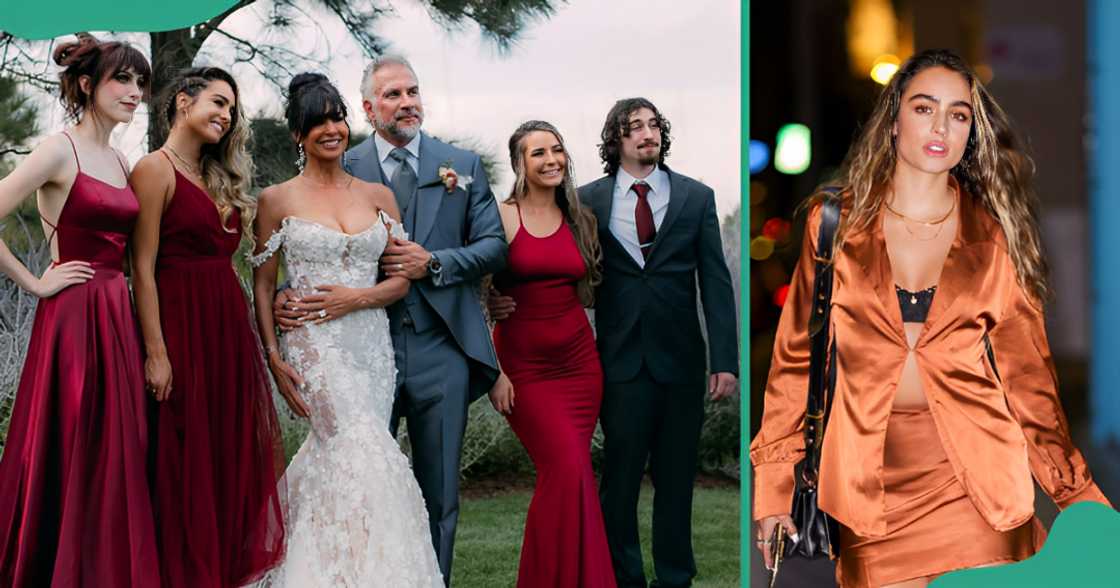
x: 18, y: 116
x: 502, y: 22
x: 273, y: 151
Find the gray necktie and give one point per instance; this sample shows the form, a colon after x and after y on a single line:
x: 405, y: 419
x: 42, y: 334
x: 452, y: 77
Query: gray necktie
x: 404, y: 179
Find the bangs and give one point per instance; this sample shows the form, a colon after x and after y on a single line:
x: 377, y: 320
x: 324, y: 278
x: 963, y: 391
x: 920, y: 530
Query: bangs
x: 122, y: 57
x: 317, y: 105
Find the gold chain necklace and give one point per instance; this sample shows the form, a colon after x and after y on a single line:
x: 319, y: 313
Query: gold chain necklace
x: 192, y: 168
x: 939, y: 223
x: 929, y: 223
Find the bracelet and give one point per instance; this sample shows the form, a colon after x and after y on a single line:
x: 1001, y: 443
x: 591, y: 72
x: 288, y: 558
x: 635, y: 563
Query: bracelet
x: 268, y: 351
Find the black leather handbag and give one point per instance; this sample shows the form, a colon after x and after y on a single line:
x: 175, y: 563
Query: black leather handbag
x: 818, y: 532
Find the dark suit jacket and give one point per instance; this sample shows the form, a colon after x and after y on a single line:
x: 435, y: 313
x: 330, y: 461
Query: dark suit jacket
x: 650, y: 314
x: 463, y: 229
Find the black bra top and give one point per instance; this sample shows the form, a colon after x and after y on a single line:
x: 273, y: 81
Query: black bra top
x: 915, y: 305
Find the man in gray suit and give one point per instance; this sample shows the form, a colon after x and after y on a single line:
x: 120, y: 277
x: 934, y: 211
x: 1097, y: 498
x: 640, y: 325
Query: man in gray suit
x: 444, y: 355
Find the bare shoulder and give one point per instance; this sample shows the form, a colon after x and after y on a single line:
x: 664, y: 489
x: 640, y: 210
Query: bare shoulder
x: 56, y: 151
x: 373, y: 190
x: 275, y: 200
x: 52, y: 161
x: 508, y: 211
x: 153, y: 178
x: 510, y: 221
x: 153, y: 163
x: 379, y: 196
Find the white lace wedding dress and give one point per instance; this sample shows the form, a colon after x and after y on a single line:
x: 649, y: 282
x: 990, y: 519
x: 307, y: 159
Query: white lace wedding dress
x: 355, y: 514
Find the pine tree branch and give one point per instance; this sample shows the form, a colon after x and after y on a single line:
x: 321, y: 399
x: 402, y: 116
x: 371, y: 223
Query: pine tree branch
x: 202, y: 32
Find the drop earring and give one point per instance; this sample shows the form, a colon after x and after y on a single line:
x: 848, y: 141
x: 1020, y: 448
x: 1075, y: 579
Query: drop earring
x: 301, y: 161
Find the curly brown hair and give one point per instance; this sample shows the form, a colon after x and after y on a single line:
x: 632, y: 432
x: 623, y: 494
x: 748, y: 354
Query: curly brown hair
x: 617, y: 126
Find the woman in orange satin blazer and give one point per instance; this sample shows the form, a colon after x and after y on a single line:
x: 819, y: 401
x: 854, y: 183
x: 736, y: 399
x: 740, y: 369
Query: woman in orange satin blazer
x: 947, y: 485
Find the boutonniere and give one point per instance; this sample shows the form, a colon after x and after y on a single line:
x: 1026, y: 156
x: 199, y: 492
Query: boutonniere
x: 450, y: 178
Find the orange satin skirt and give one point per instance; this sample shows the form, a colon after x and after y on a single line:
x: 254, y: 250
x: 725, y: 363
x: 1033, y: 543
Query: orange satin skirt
x: 932, y: 526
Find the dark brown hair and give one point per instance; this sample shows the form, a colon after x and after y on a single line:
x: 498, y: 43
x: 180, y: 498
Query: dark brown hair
x: 617, y: 126
x: 580, y: 220
x: 89, y: 57
x: 312, y: 99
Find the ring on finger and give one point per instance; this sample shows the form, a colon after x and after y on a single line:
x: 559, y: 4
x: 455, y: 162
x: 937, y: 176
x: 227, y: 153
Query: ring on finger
x: 400, y: 266
x: 323, y: 313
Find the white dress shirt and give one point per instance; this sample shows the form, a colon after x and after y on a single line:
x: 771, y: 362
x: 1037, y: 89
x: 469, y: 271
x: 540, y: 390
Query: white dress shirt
x: 388, y: 164
x: 622, y: 223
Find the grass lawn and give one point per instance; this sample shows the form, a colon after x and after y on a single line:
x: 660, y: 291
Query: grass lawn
x: 488, y: 542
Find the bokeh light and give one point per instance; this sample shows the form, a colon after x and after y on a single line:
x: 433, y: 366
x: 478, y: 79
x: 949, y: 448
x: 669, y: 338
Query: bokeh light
x: 884, y: 69
x: 760, y: 156
x: 794, y: 150
x: 762, y: 247
x: 777, y: 229
x: 781, y: 294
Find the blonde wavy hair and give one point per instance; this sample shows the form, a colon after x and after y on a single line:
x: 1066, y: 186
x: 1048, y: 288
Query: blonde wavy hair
x: 995, y: 168
x: 580, y: 220
x: 227, y: 167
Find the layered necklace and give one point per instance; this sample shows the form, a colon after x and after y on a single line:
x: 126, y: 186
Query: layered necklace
x: 907, y: 221
x: 191, y: 167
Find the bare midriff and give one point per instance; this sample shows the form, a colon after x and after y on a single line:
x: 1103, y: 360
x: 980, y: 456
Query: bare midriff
x: 910, y: 395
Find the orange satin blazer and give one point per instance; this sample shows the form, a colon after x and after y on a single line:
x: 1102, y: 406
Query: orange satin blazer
x: 995, y: 433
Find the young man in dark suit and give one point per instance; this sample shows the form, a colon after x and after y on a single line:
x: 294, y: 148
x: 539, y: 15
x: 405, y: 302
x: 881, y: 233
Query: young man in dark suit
x: 661, y: 245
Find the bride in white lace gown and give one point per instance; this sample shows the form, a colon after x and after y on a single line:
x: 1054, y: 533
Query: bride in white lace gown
x: 356, y: 517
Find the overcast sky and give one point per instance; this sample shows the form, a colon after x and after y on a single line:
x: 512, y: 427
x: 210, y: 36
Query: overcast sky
x: 568, y: 70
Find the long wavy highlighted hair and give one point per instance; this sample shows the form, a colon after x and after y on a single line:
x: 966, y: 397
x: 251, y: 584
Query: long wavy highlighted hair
x: 995, y: 168
x: 227, y: 167
x: 580, y: 220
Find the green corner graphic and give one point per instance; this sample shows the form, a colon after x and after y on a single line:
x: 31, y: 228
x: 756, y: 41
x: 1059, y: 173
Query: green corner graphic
x: 1080, y: 552
x: 47, y: 19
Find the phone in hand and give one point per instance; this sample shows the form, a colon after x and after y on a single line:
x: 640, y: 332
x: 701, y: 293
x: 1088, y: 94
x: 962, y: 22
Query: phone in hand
x: 777, y: 548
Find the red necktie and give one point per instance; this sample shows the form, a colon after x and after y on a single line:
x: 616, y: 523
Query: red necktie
x: 643, y: 218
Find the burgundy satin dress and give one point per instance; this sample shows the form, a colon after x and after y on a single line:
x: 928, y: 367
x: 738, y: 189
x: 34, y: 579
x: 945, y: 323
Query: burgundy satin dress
x: 218, y: 453
x: 75, y: 508
x: 547, y: 349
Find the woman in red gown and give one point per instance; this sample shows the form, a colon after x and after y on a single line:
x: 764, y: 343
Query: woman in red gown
x: 551, y: 384
x: 74, y: 503
x: 217, y: 441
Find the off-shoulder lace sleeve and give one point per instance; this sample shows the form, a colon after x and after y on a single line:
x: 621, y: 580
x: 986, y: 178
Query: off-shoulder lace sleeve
x: 270, y: 247
x: 395, y: 228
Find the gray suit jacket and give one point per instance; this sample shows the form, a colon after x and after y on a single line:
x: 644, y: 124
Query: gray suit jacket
x: 649, y: 314
x: 463, y: 229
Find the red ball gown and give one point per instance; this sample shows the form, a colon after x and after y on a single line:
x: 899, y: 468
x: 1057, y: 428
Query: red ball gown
x: 75, y: 508
x: 217, y: 441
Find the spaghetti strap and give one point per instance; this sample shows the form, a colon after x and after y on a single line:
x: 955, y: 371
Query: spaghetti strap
x: 54, y: 231
x: 54, y: 226
x: 75, y: 150
x: 121, y: 163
